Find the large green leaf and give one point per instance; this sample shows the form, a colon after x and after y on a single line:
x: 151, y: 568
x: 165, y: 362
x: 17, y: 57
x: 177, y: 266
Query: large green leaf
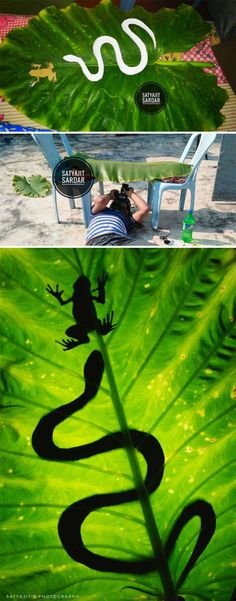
x: 120, y: 171
x: 73, y: 103
x: 171, y: 359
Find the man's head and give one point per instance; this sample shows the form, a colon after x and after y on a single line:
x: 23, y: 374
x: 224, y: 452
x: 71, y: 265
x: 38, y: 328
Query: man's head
x: 121, y: 203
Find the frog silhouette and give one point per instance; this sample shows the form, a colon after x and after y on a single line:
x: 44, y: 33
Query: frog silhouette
x: 84, y: 311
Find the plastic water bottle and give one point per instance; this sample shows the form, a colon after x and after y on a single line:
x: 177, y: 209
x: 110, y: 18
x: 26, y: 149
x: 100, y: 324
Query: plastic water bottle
x: 188, y: 223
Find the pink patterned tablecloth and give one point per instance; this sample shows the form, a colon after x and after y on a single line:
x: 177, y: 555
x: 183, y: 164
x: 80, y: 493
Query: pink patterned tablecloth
x: 200, y: 52
x: 8, y: 22
x: 203, y: 52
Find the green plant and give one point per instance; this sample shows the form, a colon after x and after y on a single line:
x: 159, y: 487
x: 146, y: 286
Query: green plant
x: 169, y: 362
x: 35, y: 186
x: 120, y: 171
x: 66, y: 100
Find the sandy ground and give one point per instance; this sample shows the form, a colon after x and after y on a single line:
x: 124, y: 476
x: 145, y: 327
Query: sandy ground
x: 31, y: 221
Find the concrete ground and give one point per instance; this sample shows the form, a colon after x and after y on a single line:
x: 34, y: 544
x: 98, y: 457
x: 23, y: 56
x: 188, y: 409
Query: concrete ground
x: 31, y: 221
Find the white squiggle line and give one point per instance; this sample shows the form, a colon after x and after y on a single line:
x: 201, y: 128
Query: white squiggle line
x: 106, y: 39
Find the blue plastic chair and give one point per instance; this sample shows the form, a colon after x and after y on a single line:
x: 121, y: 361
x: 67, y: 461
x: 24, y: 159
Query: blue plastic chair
x: 47, y: 146
x: 157, y: 187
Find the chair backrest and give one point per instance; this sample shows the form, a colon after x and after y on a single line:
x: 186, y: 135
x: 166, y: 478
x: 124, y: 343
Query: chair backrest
x: 206, y: 140
x: 48, y: 147
x: 189, y: 144
x: 66, y: 144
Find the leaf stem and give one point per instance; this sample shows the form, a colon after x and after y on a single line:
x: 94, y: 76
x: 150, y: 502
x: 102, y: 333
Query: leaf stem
x: 181, y: 63
x: 150, y: 523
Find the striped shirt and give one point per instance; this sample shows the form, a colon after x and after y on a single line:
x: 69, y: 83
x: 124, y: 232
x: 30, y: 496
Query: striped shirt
x: 108, y: 221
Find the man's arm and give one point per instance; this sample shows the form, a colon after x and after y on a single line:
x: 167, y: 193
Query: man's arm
x: 141, y: 205
x: 101, y: 202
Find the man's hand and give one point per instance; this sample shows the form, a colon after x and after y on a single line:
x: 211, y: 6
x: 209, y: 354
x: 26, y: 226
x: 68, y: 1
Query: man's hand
x: 113, y: 194
x: 57, y: 293
x: 128, y: 190
x: 107, y: 325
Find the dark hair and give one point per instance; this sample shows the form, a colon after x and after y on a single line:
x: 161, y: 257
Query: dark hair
x: 118, y: 203
x: 119, y: 200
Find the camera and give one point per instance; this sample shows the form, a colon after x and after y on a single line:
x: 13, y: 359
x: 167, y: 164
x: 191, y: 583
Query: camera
x: 122, y: 196
x: 126, y: 188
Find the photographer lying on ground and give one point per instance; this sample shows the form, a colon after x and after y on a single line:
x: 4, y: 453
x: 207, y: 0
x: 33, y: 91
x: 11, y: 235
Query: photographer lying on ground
x: 110, y: 226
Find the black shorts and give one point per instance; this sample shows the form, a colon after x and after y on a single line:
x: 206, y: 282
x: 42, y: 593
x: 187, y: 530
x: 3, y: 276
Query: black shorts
x: 108, y: 240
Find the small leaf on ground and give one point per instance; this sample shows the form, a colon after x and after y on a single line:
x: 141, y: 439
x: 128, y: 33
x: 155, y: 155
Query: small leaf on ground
x: 35, y: 186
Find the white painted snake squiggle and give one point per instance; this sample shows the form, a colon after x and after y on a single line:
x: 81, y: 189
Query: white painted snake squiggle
x: 106, y: 39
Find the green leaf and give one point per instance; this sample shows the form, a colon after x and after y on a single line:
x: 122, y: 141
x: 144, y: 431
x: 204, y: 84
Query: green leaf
x: 35, y: 186
x: 170, y: 362
x: 120, y: 171
x: 64, y: 99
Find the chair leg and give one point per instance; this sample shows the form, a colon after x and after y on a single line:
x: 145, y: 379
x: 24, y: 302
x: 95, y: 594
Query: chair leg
x: 101, y: 188
x: 72, y: 202
x: 182, y: 199
x: 192, y: 197
x: 86, y: 206
x: 54, y: 198
x: 156, y: 203
x: 150, y: 195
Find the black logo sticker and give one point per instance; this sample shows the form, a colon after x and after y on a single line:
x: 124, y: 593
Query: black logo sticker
x: 151, y: 98
x: 73, y: 176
